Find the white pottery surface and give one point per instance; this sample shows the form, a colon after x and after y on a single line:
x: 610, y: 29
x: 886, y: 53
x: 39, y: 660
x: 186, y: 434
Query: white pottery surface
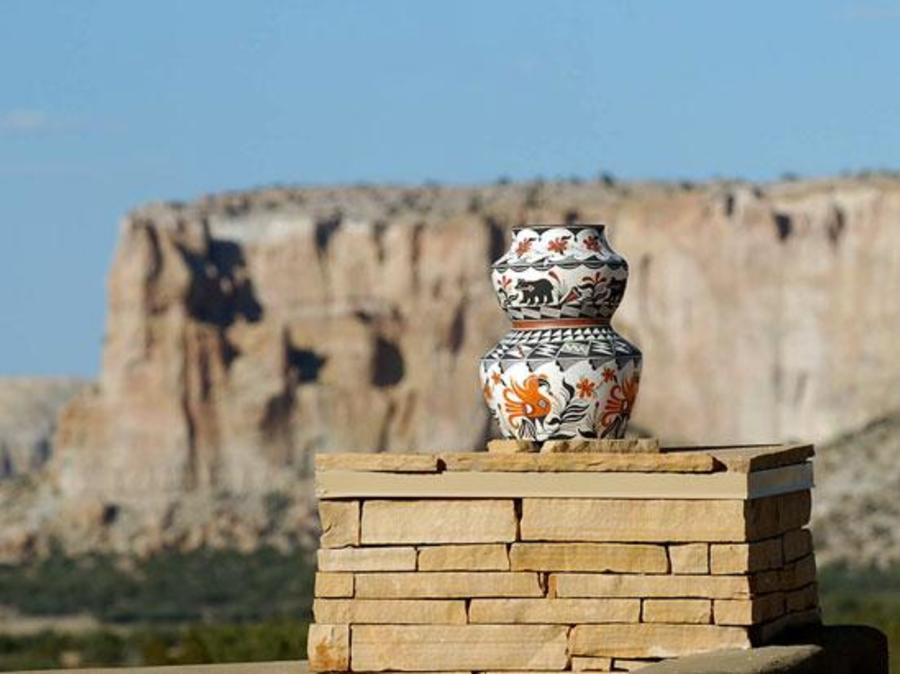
x: 558, y: 381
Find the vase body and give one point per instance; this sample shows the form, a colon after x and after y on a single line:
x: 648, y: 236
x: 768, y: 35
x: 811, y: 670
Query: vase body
x: 563, y: 371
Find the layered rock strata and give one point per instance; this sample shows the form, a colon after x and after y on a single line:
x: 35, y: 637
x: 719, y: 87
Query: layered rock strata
x: 247, y: 331
x: 478, y: 562
x: 29, y: 407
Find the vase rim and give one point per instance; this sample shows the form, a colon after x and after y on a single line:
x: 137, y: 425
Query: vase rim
x: 576, y: 225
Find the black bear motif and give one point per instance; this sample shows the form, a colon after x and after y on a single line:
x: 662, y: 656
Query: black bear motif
x: 611, y: 295
x: 535, y: 292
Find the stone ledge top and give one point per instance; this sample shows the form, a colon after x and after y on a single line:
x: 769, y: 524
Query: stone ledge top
x: 736, y: 459
x: 816, y: 650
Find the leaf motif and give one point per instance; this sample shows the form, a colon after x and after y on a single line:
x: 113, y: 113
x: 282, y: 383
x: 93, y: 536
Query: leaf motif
x: 527, y: 429
x: 570, y: 391
x: 574, y: 412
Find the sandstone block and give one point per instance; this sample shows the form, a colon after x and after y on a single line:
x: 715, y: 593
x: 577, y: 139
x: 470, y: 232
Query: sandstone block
x: 438, y: 521
x: 582, y: 462
x: 695, y: 611
x: 753, y: 459
x: 689, y: 558
x: 803, y: 599
x: 654, y: 640
x: 390, y: 611
x: 459, y: 647
x: 377, y: 462
x: 775, y: 515
x: 484, y: 557
x: 587, y: 664
x: 367, y: 559
x: 798, y: 574
x: 340, y: 523
x: 553, y: 611
x: 767, y: 631
x: 630, y: 585
x: 588, y: 557
x: 621, y: 665
x: 328, y: 648
x: 507, y: 446
x: 631, y: 520
x: 672, y: 520
x: 334, y: 584
x: 790, y: 577
x: 797, y: 543
x: 625, y: 445
x: 447, y: 584
x: 760, y: 609
x: 745, y: 557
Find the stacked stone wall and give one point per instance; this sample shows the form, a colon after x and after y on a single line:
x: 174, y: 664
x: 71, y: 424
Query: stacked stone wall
x: 554, y: 562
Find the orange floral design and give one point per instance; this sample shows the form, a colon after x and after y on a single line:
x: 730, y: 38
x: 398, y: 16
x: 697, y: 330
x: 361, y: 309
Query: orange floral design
x: 496, y: 378
x: 558, y: 245
x: 609, y: 374
x: 487, y: 392
x: 592, y: 243
x: 526, y: 401
x: 524, y: 246
x: 586, y: 388
x: 620, y: 402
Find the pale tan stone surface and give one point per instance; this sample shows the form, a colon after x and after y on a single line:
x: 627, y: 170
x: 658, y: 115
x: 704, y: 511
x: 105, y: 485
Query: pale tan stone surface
x: 464, y: 647
x: 760, y: 609
x: 340, y: 523
x: 689, y: 558
x: 695, y: 611
x: 697, y: 462
x: 391, y: 463
x: 507, y: 446
x: 333, y: 484
x: 615, y: 557
x: 334, y: 584
x: 622, y: 665
x: 549, y: 611
x: 328, y: 648
x: 797, y: 543
x: 737, y: 558
x: 367, y: 559
x: 655, y: 586
x: 447, y: 584
x: 632, y: 520
x: 390, y: 611
x: 673, y: 520
x: 654, y: 640
x: 589, y: 664
x: 477, y: 557
x: 752, y: 459
x: 579, y: 445
x: 438, y: 521
x: 803, y: 599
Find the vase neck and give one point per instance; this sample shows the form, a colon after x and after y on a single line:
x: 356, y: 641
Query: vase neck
x: 559, y: 323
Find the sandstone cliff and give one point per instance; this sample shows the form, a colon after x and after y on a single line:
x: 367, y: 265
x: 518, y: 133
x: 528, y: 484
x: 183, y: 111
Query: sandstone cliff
x: 28, y: 411
x: 246, y: 331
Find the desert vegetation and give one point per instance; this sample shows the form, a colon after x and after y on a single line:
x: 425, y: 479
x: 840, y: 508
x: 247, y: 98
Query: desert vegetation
x: 225, y: 606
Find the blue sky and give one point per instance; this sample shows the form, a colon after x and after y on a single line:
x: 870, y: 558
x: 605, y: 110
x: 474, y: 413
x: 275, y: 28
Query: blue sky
x: 107, y: 104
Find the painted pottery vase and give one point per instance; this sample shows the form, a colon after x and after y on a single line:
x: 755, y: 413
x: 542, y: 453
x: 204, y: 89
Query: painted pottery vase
x: 562, y: 371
